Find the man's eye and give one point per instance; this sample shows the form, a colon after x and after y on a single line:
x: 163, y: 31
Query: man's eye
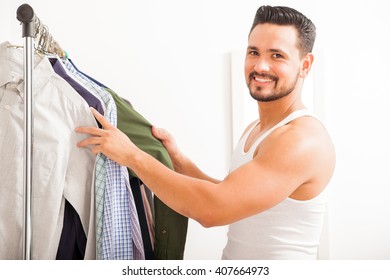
x: 253, y: 53
x: 277, y: 55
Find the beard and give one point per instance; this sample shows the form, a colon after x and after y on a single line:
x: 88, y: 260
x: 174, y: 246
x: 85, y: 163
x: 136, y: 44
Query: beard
x: 276, y: 93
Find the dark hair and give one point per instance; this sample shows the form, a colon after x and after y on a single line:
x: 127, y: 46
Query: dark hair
x: 287, y: 16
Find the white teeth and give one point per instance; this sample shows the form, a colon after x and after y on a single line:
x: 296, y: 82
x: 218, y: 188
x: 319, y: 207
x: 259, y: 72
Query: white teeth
x: 263, y: 80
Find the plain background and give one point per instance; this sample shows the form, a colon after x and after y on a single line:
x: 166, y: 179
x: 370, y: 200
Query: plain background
x: 173, y: 60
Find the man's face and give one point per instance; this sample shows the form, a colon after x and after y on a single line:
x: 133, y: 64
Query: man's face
x: 272, y: 63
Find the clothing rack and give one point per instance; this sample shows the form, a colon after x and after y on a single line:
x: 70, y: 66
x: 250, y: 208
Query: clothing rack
x: 32, y: 28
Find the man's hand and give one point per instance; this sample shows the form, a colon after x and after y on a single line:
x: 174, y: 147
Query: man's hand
x: 170, y: 144
x: 109, y: 141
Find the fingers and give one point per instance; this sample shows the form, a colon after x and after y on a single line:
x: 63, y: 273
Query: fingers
x: 155, y: 132
x: 89, y: 141
x: 160, y: 133
x: 101, y: 119
x: 90, y: 130
x: 94, y: 131
x: 98, y: 136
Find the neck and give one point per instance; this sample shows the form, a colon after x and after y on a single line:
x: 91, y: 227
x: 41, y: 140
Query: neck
x: 271, y: 113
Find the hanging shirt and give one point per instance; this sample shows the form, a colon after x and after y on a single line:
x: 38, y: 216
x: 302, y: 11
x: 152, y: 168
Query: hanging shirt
x: 72, y: 243
x: 170, y: 226
x: 68, y: 60
x: 135, y: 184
x: 92, y: 100
x: 147, y: 200
x: 121, y: 234
x: 59, y: 170
x: 290, y: 230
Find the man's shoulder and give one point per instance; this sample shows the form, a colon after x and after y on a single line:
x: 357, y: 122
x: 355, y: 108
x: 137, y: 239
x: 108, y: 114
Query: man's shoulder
x: 309, y: 129
x: 300, y: 137
x: 303, y: 150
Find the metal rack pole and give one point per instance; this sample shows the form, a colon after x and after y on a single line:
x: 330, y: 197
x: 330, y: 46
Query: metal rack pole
x: 25, y: 14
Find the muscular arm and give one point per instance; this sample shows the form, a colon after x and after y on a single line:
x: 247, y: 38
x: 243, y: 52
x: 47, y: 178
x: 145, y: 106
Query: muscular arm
x: 181, y: 163
x: 281, y: 165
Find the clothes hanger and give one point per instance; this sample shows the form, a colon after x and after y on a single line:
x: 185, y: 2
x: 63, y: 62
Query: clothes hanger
x: 45, y: 42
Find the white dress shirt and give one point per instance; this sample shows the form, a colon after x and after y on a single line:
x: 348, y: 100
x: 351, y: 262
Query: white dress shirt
x: 60, y: 169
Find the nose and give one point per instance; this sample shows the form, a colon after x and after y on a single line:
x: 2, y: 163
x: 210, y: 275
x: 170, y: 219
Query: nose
x: 261, y: 65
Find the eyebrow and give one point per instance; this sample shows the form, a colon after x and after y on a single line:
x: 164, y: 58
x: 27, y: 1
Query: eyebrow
x: 272, y: 50
x: 276, y: 50
x: 252, y: 48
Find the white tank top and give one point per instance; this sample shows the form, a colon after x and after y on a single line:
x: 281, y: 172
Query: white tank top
x: 290, y: 230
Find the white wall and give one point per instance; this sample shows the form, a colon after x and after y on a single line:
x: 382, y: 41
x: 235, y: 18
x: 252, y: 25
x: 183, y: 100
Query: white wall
x: 356, y: 79
x: 171, y: 59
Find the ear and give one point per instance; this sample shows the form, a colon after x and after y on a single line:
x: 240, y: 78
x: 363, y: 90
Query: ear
x: 307, y: 62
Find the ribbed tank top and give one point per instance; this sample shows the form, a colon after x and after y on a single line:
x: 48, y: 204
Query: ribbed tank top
x: 289, y: 230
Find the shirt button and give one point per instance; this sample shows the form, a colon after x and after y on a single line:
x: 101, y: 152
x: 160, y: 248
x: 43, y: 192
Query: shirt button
x: 164, y: 231
x: 7, y: 107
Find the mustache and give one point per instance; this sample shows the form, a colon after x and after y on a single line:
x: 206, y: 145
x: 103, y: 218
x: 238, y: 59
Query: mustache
x: 263, y: 75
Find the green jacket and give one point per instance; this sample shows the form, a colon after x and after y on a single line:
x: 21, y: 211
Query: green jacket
x: 170, y: 227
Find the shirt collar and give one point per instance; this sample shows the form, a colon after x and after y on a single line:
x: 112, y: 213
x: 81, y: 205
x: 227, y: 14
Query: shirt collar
x: 11, y: 61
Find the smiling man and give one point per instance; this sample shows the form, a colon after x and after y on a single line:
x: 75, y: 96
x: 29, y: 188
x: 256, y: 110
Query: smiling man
x: 274, y: 195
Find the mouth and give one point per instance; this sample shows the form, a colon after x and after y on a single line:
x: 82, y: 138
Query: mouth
x: 262, y: 78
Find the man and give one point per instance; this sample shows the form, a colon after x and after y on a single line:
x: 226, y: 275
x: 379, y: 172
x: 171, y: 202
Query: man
x: 273, y: 198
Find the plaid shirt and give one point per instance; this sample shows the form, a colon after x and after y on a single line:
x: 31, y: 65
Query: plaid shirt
x: 117, y: 225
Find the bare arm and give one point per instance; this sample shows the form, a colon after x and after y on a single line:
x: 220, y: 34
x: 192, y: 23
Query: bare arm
x: 181, y: 163
x: 281, y: 166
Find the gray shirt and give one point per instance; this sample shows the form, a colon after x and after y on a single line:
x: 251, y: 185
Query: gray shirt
x: 60, y: 169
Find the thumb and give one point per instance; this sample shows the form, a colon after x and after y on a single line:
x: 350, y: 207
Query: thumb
x: 160, y: 133
x: 167, y: 140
